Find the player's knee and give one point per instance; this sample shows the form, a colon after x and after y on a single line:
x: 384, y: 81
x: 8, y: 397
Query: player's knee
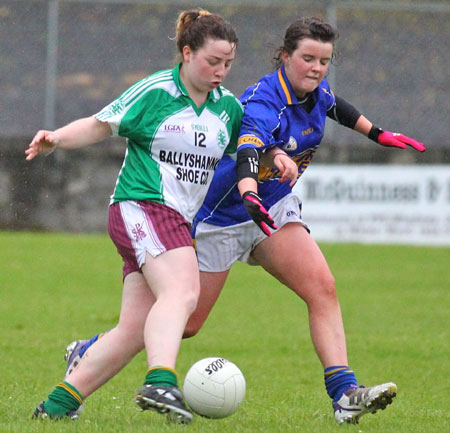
x: 190, y: 299
x: 194, y: 323
x: 325, y: 288
x: 320, y: 290
x: 190, y: 331
x: 183, y: 301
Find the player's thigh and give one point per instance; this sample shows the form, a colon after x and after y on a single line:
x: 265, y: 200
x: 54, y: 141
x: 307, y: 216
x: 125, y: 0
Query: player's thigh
x: 173, y: 272
x: 211, y: 284
x: 293, y: 257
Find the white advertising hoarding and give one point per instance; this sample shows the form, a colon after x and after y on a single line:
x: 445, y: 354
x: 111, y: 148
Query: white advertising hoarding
x: 377, y: 203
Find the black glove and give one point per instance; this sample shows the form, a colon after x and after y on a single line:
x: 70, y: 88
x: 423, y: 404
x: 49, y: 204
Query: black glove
x: 257, y: 211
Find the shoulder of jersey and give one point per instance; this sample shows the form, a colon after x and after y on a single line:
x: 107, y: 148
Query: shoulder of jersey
x: 228, y: 93
x: 159, y: 80
x: 263, y: 90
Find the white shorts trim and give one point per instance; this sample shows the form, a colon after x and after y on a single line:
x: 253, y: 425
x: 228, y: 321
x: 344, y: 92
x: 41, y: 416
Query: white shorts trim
x: 219, y: 247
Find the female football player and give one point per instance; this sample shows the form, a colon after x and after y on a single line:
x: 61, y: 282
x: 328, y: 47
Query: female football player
x: 178, y: 123
x: 285, y: 111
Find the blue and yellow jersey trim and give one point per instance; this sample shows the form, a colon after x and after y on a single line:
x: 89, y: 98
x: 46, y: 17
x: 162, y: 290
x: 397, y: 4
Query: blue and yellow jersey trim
x: 285, y: 87
x: 328, y: 92
x: 250, y: 139
x: 302, y: 161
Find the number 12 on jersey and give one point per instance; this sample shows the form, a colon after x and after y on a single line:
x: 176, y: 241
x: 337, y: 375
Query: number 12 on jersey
x: 199, y: 139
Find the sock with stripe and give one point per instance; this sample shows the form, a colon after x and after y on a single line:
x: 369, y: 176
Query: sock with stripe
x: 63, y: 399
x: 161, y: 376
x: 338, y: 379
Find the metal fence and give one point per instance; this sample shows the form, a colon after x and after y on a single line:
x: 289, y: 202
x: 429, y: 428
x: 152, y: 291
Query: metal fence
x: 63, y: 59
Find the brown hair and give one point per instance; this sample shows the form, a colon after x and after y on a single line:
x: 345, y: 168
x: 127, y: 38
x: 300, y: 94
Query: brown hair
x: 305, y: 28
x: 196, y: 25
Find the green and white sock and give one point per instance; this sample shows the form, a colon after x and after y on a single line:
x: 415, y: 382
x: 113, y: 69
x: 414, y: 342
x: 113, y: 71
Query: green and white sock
x: 63, y: 399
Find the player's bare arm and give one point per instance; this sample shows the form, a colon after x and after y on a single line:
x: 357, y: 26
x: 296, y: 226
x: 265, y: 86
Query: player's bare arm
x: 80, y: 133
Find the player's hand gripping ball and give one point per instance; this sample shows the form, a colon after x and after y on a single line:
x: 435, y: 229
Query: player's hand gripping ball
x: 214, y: 387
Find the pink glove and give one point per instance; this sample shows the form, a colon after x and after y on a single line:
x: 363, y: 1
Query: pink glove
x: 258, y: 212
x: 387, y: 138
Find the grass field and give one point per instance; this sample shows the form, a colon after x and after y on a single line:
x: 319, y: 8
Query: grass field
x: 395, y: 300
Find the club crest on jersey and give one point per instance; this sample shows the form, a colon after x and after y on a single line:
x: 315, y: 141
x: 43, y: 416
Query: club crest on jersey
x: 221, y: 138
x: 291, y: 144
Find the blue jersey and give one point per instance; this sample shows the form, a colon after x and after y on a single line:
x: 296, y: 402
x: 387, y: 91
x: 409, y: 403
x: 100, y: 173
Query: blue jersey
x: 273, y: 116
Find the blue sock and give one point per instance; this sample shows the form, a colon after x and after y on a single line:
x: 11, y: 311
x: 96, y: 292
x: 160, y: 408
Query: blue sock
x: 338, y: 379
x: 88, y: 344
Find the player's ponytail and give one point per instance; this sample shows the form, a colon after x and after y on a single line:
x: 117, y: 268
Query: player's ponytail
x: 196, y: 25
x: 186, y: 18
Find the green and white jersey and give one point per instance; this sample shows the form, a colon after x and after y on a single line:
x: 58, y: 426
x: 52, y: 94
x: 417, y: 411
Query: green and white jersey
x: 173, y: 146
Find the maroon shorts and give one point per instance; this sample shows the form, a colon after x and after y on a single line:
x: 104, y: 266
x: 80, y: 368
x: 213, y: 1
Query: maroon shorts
x: 141, y: 227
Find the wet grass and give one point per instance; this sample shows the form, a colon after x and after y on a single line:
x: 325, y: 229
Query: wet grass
x: 395, y: 301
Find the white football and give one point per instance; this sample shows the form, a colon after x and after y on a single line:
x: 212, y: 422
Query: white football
x: 214, y: 387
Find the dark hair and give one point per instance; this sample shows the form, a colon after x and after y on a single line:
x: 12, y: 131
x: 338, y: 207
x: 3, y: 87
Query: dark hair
x: 305, y: 28
x: 196, y: 25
